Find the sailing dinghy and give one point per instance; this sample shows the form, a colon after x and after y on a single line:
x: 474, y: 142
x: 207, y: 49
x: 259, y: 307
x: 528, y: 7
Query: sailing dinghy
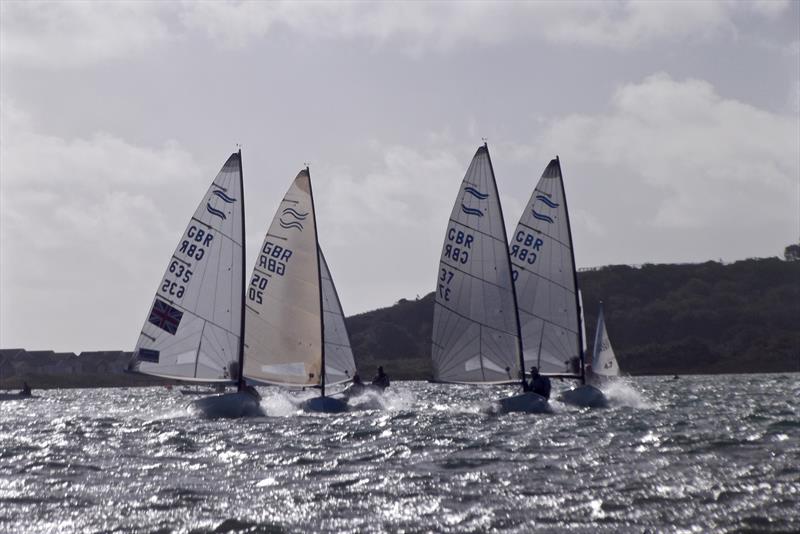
x: 546, y: 281
x: 476, y: 330
x: 194, y: 329
x: 295, y: 332
x: 604, y: 361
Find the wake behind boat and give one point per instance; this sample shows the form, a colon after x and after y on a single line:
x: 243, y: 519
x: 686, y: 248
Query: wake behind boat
x: 476, y: 330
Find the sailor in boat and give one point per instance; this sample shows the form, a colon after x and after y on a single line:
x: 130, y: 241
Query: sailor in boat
x: 356, y: 387
x: 539, y: 384
x: 573, y: 365
x: 381, y: 379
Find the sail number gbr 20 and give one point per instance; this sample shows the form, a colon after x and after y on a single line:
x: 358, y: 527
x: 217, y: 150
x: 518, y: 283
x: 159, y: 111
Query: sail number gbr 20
x: 272, y: 259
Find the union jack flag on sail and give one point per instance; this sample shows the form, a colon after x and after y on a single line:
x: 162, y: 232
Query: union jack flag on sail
x: 165, y: 316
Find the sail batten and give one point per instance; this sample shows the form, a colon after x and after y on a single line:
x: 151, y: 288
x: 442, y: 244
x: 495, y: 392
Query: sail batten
x: 192, y: 331
x: 475, y: 336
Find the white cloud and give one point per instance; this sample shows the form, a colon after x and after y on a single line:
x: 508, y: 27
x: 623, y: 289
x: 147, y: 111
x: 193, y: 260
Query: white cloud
x: 380, y: 223
x: 711, y: 164
x: 442, y: 25
x: 75, y: 34
x: 83, y: 222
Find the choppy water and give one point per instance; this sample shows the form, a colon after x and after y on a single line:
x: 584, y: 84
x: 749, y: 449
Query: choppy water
x: 698, y: 454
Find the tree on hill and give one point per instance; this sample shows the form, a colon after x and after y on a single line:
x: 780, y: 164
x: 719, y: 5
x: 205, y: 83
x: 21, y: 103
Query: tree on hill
x: 792, y: 253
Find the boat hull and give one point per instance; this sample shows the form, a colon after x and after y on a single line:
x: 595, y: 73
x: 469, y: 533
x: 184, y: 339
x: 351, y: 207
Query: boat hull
x: 325, y: 405
x: 585, y: 396
x: 229, y: 406
x: 15, y: 396
x: 528, y: 402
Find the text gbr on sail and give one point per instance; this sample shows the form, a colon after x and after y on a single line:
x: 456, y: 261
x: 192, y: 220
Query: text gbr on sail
x: 457, y: 249
x: 526, y: 246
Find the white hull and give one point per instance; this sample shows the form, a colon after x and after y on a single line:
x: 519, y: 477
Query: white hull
x: 586, y: 396
x: 325, y: 405
x: 526, y: 402
x: 230, y: 406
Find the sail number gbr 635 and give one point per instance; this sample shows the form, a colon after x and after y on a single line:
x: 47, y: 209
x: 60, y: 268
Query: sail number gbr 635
x: 272, y: 259
x: 192, y: 248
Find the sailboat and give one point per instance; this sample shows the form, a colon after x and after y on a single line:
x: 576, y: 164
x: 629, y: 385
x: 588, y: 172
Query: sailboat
x: 604, y: 361
x: 476, y: 328
x: 295, y: 331
x: 546, y: 282
x: 193, y: 331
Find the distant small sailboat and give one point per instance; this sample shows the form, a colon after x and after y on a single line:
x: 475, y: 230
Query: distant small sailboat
x: 23, y: 394
x: 295, y: 332
x: 546, y: 284
x: 604, y: 361
x: 194, y: 329
x: 476, y: 330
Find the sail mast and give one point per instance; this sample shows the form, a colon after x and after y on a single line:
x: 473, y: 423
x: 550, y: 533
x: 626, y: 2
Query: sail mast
x: 240, y: 380
x: 510, y: 272
x: 574, y: 275
x: 319, y: 285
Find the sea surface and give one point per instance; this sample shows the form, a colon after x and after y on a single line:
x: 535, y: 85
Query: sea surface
x: 698, y: 454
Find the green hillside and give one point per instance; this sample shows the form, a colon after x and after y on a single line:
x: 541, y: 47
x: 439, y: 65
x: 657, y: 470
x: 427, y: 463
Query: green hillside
x: 662, y: 319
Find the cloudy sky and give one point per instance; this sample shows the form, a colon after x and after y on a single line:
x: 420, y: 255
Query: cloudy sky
x: 677, y: 124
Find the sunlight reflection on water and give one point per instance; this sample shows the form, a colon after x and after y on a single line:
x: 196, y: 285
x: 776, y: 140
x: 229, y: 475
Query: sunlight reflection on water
x: 696, y: 454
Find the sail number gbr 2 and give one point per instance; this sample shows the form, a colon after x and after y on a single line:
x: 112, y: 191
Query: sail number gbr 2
x: 272, y: 259
x: 193, y: 247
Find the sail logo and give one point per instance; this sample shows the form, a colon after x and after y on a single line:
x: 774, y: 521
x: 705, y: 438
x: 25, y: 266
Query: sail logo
x: 471, y: 211
x: 148, y: 355
x: 165, y: 317
x: 225, y: 198
x: 215, y: 211
x: 477, y: 194
x: 291, y: 218
x: 541, y: 216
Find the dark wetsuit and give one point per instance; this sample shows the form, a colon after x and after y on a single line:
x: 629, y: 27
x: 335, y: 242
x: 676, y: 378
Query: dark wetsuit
x: 381, y: 380
x: 541, y: 386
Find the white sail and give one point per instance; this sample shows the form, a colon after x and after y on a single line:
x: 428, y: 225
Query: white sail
x: 475, y: 327
x: 604, y: 362
x: 340, y: 366
x: 542, y: 258
x: 283, y: 317
x: 192, y: 329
